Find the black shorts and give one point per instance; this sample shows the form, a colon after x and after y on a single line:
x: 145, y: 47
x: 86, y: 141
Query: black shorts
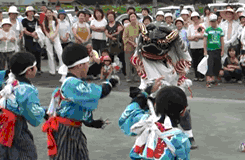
x: 214, y: 62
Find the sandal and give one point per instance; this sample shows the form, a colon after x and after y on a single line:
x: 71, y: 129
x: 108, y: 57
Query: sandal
x: 208, y: 84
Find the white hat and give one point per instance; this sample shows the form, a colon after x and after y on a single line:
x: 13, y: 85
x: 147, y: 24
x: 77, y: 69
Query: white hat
x: 184, y: 11
x: 168, y: 15
x: 30, y: 8
x: 36, y: 15
x: 13, y: 9
x: 213, y: 17
x: 6, y: 21
x: 194, y: 14
x: 240, y: 9
x: 160, y: 13
x: 179, y: 19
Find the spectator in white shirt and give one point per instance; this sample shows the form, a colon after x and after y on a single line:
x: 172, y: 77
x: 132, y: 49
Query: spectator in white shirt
x: 195, y: 35
x: 64, y: 29
x: 98, y: 26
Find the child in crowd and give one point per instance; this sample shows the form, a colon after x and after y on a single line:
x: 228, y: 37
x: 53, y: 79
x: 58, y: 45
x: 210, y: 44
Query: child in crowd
x: 105, y: 52
x: 7, y: 45
x: 214, y: 48
x: 106, y: 69
x: 153, y: 130
x: 19, y: 104
x: 147, y: 20
x: 232, y: 68
x: 76, y: 101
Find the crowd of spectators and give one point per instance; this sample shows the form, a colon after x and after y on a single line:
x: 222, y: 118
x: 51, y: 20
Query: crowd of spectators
x: 105, y: 37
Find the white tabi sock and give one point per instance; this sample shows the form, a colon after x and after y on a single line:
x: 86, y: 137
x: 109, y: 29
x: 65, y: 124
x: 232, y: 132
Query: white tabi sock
x: 143, y: 84
x: 189, y: 133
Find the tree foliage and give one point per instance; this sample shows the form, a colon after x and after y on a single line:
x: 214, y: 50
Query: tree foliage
x: 176, y: 2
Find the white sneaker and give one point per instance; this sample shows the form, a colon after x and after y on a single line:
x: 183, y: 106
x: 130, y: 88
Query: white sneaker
x: 240, y: 82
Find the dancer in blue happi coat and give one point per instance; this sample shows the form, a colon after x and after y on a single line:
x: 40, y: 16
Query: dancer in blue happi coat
x: 19, y: 104
x: 72, y: 105
x: 157, y: 138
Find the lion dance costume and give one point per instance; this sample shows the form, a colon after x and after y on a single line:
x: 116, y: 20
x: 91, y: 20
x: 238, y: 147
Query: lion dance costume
x: 161, y: 52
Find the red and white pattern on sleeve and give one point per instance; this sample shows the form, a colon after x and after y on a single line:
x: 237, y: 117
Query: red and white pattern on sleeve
x: 183, y: 66
x: 160, y: 148
x: 138, y: 64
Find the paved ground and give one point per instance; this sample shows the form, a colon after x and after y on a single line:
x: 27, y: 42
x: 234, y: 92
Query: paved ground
x: 217, y: 124
x: 217, y: 117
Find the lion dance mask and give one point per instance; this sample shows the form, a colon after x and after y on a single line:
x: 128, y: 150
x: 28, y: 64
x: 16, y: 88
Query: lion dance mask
x: 162, y: 52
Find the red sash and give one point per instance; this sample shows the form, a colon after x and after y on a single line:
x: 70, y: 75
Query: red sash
x: 53, y: 125
x: 7, y: 122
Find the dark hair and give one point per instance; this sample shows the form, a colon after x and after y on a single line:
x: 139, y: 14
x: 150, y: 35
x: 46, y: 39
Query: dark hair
x: 218, y: 14
x: 81, y: 12
x: 76, y: 9
x: 131, y: 8
x: 206, y: 8
x: 46, y: 22
x: 105, y: 50
x: 73, y: 53
x: 43, y: 3
x: 131, y: 14
x: 229, y: 6
x: 60, y: 14
x: 20, y: 61
x: 230, y: 49
x: 189, y: 10
x: 147, y: 17
x: 88, y: 13
x: 111, y: 12
x: 99, y: 10
x: 124, y: 20
x: 146, y: 9
x: 170, y: 101
x: 30, y: 11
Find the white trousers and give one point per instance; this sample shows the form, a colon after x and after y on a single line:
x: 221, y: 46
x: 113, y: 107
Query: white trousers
x: 58, y: 48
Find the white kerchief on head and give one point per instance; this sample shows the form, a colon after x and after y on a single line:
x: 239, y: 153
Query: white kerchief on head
x: 34, y: 64
x: 84, y: 60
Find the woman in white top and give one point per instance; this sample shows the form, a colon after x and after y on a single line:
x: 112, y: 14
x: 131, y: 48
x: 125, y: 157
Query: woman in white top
x: 81, y: 29
x: 51, y: 28
x: 195, y: 36
x: 207, y: 13
x: 98, y: 26
x: 64, y: 29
